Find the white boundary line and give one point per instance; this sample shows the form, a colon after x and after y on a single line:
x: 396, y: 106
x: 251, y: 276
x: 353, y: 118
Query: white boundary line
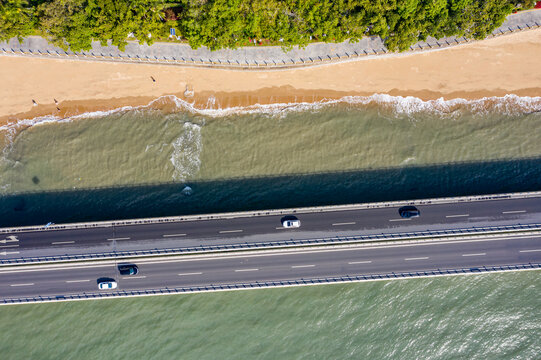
x: 275, y: 286
x: 270, y: 252
x: 276, y: 212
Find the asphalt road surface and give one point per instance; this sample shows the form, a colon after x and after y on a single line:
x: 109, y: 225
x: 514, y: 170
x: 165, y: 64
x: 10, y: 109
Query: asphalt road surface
x: 286, y: 265
x: 268, y: 228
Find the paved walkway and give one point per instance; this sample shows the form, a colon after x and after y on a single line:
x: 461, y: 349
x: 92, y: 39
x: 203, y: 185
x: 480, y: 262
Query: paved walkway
x: 260, y: 57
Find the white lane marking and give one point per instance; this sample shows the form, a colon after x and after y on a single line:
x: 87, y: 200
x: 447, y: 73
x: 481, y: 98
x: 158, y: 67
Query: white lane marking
x: 187, y: 258
x: 416, y: 258
x: 345, y: 223
x: 77, y: 281
x: 134, y: 277
x: 62, y: 242
x: 359, y: 262
x: 514, y: 212
x: 301, y: 266
x: 173, y: 235
x: 242, y: 270
x: 478, y: 254
x: 124, y: 238
x: 10, y: 238
x: 408, y: 219
x: 9, y: 246
x: 8, y: 252
x: 28, y: 284
x: 532, y: 250
x: 460, y: 215
x: 280, y: 228
x: 188, y: 274
x: 229, y: 231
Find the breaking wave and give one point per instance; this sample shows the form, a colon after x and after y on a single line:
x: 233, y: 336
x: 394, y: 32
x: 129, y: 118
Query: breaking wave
x: 186, y: 152
x: 507, y: 105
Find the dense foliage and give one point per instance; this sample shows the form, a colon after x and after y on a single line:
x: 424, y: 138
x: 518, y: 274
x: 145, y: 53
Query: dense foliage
x: 232, y: 23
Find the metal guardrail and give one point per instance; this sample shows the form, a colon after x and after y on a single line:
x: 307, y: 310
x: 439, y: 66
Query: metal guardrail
x: 270, y: 284
x: 255, y: 64
x: 267, y: 212
x: 266, y: 244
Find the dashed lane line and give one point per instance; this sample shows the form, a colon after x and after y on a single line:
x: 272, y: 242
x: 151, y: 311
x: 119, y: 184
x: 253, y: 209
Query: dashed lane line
x: 301, y: 266
x: 532, y: 250
x: 416, y: 258
x: 478, y: 254
x: 188, y: 258
x: 344, y: 223
x: 77, y: 281
x: 458, y: 215
x: 62, y: 242
x: 359, y: 262
x: 28, y: 284
x: 122, y: 238
x: 9, y: 246
x: 133, y: 277
x: 514, y: 212
x: 173, y: 235
x: 229, y: 231
x: 192, y: 273
x: 243, y: 270
x: 408, y: 219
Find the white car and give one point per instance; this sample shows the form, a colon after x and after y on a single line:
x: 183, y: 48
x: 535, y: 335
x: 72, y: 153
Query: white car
x: 107, y: 285
x: 291, y: 223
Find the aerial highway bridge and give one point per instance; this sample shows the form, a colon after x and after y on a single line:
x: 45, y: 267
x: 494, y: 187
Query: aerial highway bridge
x: 452, y: 236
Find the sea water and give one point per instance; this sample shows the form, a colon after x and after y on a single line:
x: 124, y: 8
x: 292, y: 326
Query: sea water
x: 137, y: 162
x: 150, y: 161
x: 491, y: 316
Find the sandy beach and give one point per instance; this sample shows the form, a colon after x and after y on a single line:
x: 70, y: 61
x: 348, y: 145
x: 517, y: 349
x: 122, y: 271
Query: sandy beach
x: 493, y: 67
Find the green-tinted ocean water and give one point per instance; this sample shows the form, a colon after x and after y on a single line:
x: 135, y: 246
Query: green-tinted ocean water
x: 492, y: 316
x: 137, y: 162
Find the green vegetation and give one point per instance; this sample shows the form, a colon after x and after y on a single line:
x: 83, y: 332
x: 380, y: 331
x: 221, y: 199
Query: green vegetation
x: 233, y: 23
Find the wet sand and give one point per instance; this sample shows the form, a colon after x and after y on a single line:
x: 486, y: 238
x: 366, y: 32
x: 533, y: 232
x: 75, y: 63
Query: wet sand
x: 493, y: 67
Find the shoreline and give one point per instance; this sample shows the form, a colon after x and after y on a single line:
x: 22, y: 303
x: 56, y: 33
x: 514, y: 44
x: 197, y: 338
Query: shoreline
x: 490, y: 68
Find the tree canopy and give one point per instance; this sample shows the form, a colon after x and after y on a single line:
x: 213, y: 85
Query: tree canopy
x: 232, y: 23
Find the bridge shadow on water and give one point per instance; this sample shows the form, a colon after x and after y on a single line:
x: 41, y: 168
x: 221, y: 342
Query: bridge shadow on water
x: 296, y: 190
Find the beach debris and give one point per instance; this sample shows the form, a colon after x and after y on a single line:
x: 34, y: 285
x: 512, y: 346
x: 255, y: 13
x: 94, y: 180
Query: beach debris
x: 34, y: 102
x: 189, y: 91
x: 57, y: 108
x: 153, y: 80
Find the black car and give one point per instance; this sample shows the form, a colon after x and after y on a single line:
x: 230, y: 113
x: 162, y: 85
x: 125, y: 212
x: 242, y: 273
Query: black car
x: 128, y: 269
x: 409, y: 212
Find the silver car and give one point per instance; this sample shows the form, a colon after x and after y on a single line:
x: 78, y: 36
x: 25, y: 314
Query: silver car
x: 294, y: 223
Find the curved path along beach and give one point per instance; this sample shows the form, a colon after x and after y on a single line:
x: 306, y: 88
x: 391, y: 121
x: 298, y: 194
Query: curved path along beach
x: 254, y: 57
x: 63, y: 87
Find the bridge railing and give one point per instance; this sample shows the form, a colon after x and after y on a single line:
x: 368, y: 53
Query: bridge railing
x: 428, y: 234
x: 271, y: 284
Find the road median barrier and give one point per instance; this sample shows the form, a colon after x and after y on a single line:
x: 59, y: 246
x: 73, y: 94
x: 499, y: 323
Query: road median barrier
x: 358, y: 240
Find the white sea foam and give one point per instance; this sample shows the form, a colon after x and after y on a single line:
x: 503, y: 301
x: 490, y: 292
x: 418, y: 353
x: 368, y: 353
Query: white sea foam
x: 186, y: 152
x: 508, y: 105
x: 408, y: 160
x: 409, y: 105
